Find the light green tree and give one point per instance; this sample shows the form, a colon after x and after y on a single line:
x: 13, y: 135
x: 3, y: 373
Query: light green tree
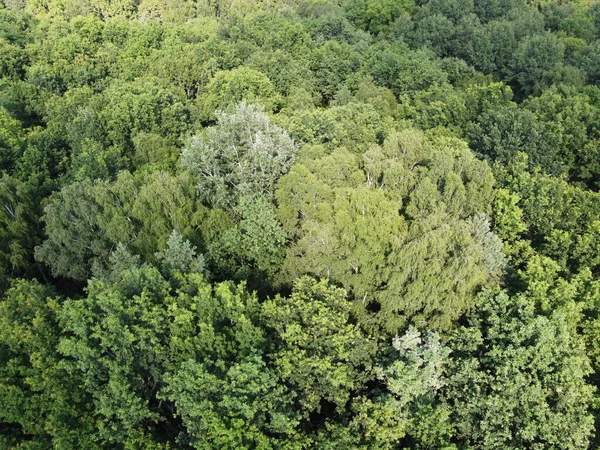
x: 401, y: 229
x: 319, y: 353
x: 229, y: 87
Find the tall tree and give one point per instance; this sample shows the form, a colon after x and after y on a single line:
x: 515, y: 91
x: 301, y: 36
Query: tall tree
x: 400, y: 229
x: 87, y: 219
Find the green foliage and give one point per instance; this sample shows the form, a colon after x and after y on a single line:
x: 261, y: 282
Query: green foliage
x: 519, y: 377
x: 589, y: 60
x: 537, y: 63
x: 193, y: 172
x: 10, y: 140
x: 407, y: 71
x: 143, y: 106
x: 580, y: 25
x: 252, y: 250
x: 180, y: 255
x: 242, y: 408
x: 332, y: 63
x: 508, y: 217
x: 43, y: 404
x: 501, y: 133
x: 376, y: 16
x: 355, y: 125
x: 413, y: 379
x: 73, y: 232
x: 284, y: 71
x: 561, y: 218
x: 320, y: 355
x: 493, y: 45
x: 17, y: 226
x: 228, y: 88
x: 151, y: 148
x: 438, y: 106
x: 219, y: 382
x: 570, y: 119
x: 116, y: 343
x: 411, y: 208
x: 86, y: 220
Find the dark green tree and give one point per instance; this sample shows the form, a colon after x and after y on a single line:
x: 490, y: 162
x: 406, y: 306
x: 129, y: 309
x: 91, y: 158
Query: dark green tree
x: 376, y: 16
x: 537, y: 63
x: 43, y: 403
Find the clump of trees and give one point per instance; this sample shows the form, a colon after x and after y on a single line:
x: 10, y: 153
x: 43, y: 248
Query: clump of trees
x: 370, y: 224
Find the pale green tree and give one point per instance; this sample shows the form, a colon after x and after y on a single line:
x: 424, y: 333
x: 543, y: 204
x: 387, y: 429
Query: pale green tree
x: 244, y: 153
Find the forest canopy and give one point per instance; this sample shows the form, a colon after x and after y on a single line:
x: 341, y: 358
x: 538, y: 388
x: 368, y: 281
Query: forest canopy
x: 243, y: 224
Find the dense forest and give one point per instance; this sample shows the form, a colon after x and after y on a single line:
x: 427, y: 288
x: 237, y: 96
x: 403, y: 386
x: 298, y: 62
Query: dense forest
x: 299, y: 224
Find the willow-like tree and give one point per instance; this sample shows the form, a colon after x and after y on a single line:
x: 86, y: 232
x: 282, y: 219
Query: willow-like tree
x: 402, y: 228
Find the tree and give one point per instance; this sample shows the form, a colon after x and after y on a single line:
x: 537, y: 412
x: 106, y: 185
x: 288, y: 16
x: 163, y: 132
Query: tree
x: 570, y: 119
x: 109, y: 9
x: 589, y: 61
x: 355, y: 126
x: 71, y: 61
x: 181, y: 256
x: 74, y: 234
x: 579, y: 25
x: 434, y: 31
x: 144, y: 105
x: 116, y: 344
x: 228, y: 88
x: 537, y: 63
x: 501, y: 133
x: 187, y: 65
x: 400, y: 229
x: 247, y: 407
x: 519, y: 377
x: 332, y: 63
x: 560, y: 218
x: 383, y: 232
x: 18, y: 234
x: 86, y: 220
x: 13, y: 60
x: 376, y: 16
x: 253, y: 249
x: 407, y: 405
x: 284, y: 69
x: 407, y: 72
x: 243, y: 154
x: 151, y: 148
x: 43, y: 403
x: 492, y: 46
x: 224, y: 390
x: 319, y: 354
x: 438, y: 106
x: 11, y: 140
